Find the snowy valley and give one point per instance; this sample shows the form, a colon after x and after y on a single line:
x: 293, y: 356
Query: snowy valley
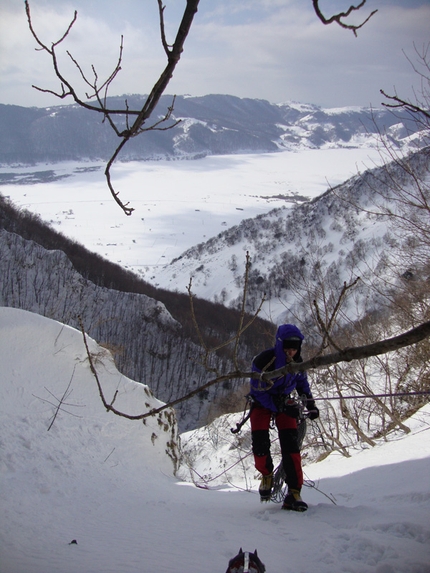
x: 333, y: 238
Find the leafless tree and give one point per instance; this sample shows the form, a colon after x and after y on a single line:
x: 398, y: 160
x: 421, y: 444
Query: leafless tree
x: 399, y: 193
x: 411, y: 195
x: 419, y: 106
x: 346, y: 354
x: 136, y: 121
x: 366, y: 380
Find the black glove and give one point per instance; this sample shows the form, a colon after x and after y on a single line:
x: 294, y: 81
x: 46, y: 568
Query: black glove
x: 313, y: 412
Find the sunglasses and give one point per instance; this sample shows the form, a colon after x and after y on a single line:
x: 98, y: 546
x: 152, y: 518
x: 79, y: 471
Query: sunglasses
x: 292, y: 343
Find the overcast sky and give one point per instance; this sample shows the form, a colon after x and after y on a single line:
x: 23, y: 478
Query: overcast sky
x: 270, y: 49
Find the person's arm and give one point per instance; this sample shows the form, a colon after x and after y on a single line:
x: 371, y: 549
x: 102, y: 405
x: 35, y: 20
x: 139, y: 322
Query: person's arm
x: 303, y: 388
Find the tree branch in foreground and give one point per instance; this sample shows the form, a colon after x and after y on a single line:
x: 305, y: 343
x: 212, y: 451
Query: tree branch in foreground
x: 408, y: 338
x: 403, y: 340
x: 99, y: 92
x: 399, y: 103
x: 420, y: 108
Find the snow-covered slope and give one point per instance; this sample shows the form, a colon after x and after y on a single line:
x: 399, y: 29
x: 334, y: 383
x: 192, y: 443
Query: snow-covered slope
x: 106, y: 482
x: 148, y: 344
x: 335, y: 237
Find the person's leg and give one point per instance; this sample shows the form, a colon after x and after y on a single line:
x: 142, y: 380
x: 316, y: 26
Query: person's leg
x: 291, y: 461
x: 291, y: 458
x: 260, y: 422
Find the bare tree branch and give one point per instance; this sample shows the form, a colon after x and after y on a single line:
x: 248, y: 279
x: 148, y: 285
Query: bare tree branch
x: 338, y: 18
x: 173, y: 53
x: 326, y: 328
x: 403, y: 104
x: 240, y: 329
x: 161, y: 9
x: 141, y: 116
x: 419, y: 108
x: 408, y: 338
x: 389, y: 345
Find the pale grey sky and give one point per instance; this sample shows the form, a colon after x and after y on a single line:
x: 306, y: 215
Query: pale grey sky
x: 270, y: 49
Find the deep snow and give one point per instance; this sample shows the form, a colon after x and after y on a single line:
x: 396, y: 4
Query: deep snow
x: 106, y: 482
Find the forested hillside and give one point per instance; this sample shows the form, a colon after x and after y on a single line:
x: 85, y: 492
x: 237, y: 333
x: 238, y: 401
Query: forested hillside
x: 349, y: 267
x: 374, y: 226
x: 150, y: 343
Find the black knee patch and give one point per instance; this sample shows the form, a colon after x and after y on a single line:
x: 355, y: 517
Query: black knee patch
x: 289, y: 441
x: 260, y: 442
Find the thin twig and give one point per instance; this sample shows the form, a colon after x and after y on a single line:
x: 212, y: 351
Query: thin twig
x: 326, y: 328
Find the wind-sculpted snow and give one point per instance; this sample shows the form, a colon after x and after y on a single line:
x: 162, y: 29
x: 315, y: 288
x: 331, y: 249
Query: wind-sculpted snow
x: 145, y: 339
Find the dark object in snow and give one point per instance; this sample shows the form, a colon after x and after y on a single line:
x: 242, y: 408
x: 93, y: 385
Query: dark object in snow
x: 245, y: 562
x: 73, y: 542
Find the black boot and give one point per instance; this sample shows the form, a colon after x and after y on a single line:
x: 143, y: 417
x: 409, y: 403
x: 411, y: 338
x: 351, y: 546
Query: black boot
x: 294, y: 502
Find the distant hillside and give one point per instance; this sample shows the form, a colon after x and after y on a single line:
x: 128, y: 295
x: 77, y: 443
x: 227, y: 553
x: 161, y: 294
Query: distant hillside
x: 307, y: 251
x: 210, y: 125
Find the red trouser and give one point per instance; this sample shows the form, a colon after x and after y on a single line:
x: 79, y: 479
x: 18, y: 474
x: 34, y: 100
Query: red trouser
x: 287, y: 432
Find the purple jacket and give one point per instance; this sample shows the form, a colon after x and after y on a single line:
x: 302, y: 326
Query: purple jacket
x: 275, y: 358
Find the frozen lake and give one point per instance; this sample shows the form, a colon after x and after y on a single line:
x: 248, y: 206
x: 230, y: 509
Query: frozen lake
x: 177, y: 204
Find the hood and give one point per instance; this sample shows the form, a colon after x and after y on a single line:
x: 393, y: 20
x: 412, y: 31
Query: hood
x: 285, y: 331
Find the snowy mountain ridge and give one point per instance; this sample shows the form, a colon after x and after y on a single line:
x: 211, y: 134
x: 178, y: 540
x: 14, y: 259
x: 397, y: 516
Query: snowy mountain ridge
x: 209, y: 125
